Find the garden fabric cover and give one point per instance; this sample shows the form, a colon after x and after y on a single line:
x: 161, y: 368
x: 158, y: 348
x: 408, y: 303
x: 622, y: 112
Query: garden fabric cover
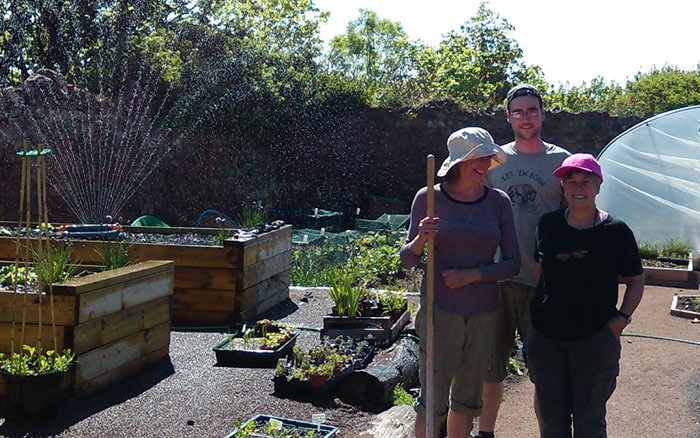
x: 651, y: 177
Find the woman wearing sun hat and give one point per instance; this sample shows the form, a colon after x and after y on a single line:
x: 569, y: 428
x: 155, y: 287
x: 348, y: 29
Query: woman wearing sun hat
x: 470, y: 223
x: 574, y: 342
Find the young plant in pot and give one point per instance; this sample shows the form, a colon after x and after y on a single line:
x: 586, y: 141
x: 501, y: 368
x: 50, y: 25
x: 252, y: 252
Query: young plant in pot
x: 33, y: 382
x: 393, y: 304
x: 34, y: 375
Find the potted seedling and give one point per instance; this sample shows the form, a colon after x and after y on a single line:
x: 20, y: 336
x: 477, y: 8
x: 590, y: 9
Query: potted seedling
x: 312, y: 372
x: 33, y: 382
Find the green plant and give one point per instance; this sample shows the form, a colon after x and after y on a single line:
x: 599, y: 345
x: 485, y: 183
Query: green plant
x: 671, y: 248
x: 265, y: 335
x: 223, y: 232
x: 114, y: 255
x: 649, y: 251
x: 11, y: 274
x: 400, y: 396
x: 513, y: 366
x: 675, y: 248
x: 252, y: 214
x: 345, y: 293
x: 326, y: 359
x: 391, y: 301
x: 33, y: 361
x: 312, y: 265
x: 52, y: 263
x: 376, y: 257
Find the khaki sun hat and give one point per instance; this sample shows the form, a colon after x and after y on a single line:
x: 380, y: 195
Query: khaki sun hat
x: 469, y: 144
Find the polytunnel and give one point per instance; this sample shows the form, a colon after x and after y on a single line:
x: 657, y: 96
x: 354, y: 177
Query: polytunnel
x: 651, y: 177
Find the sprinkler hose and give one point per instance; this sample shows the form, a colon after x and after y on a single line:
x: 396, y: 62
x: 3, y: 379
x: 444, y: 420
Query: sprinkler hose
x: 662, y: 338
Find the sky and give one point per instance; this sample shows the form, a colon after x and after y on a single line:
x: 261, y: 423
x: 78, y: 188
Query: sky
x: 572, y: 42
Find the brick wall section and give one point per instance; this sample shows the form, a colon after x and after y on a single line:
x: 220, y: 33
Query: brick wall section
x: 373, y: 159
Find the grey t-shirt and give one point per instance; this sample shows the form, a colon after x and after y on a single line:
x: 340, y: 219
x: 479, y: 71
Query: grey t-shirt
x: 533, y: 191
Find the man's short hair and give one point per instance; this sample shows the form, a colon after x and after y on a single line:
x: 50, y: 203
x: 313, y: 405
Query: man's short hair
x: 522, y: 90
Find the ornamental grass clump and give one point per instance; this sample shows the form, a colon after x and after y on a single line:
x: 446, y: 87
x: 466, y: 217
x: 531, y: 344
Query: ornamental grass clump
x: 114, y: 255
x: 345, y: 292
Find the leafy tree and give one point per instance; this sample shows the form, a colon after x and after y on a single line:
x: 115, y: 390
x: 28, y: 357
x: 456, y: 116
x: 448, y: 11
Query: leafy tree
x: 477, y: 64
x: 650, y: 93
x: 597, y: 96
x: 377, y: 54
x: 662, y: 90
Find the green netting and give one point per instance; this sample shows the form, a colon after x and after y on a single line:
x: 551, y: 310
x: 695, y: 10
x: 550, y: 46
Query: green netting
x: 308, y: 235
x: 391, y: 222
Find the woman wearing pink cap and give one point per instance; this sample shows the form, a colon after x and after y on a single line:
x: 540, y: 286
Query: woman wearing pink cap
x: 574, y: 344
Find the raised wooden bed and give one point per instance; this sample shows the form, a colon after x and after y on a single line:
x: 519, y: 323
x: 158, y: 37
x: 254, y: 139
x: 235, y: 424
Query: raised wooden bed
x: 116, y: 322
x: 685, y: 277
x: 214, y: 285
x: 685, y: 306
x: 377, y: 329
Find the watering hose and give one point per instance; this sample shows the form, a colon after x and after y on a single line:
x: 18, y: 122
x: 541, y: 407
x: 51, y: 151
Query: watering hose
x: 663, y: 338
x: 217, y: 213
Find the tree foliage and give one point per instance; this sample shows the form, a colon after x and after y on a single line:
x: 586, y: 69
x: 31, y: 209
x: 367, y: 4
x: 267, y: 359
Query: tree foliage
x: 650, y: 93
x: 261, y: 60
x: 376, y: 54
x: 477, y: 64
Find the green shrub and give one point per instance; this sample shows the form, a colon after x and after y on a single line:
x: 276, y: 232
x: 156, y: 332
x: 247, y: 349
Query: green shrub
x: 252, y: 214
x: 649, y: 251
x: 376, y: 257
x: 675, y: 248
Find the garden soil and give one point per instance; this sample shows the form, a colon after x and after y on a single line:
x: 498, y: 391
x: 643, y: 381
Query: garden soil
x: 188, y: 395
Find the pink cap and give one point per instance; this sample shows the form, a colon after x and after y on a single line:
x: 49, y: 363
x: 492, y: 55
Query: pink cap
x: 585, y: 162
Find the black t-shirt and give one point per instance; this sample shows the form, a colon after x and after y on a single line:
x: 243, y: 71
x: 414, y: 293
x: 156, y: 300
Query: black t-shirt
x: 578, y: 290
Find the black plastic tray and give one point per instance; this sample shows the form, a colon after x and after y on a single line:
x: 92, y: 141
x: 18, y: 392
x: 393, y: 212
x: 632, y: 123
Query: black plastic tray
x: 252, y: 358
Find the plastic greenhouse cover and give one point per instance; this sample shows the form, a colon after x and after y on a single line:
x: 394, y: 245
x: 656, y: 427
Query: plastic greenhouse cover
x: 651, y: 177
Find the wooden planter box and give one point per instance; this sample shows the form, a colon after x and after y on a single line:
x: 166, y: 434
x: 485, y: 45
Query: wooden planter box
x: 214, y: 285
x: 682, y: 277
x: 378, y: 329
x: 678, y: 306
x: 116, y: 322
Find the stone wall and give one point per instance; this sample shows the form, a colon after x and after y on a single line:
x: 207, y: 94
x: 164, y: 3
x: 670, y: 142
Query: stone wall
x: 373, y: 159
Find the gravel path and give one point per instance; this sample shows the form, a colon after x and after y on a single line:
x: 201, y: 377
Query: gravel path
x: 190, y: 396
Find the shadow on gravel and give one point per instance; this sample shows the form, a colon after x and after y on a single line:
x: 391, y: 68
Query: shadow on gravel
x: 75, y: 410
